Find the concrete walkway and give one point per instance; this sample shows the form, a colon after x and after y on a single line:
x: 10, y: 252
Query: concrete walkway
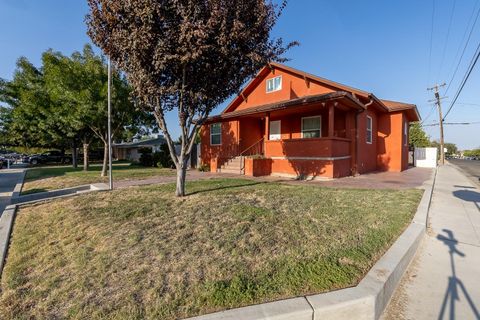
x: 8, y: 180
x: 443, y: 281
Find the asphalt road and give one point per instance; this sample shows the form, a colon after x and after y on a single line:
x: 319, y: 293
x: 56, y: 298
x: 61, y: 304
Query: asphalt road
x: 470, y: 167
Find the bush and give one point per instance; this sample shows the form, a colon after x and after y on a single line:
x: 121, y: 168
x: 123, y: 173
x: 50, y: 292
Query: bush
x: 164, y: 157
x: 204, y: 168
x: 146, y: 157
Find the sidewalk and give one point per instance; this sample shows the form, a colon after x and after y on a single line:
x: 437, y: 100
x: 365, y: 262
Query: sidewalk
x: 443, y: 281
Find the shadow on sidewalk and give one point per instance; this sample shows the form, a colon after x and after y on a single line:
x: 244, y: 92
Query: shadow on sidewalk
x: 468, y: 195
x: 454, y: 283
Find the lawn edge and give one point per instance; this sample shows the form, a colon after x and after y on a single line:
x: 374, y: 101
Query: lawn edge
x: 367, y: 300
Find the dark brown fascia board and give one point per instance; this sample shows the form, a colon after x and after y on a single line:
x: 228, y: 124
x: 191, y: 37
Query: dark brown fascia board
x: 337, y: 95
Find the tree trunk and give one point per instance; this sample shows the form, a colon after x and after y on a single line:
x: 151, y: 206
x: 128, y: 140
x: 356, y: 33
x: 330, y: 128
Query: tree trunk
x: 85, y: 156
x: 181, y: 175
x: 75, y: 156
x: 105, y: 160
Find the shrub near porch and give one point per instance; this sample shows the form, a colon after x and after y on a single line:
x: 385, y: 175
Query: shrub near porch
x: 143, y: 253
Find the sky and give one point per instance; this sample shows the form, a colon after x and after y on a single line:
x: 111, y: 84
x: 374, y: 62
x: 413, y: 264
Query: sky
x: 384, y: 47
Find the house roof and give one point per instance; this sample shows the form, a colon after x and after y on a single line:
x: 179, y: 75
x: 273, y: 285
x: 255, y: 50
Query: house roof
x: 143, y: 143
x: 346, y: 98
x: 385, y: 105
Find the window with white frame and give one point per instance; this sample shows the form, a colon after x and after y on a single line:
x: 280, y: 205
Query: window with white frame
x: 216, y: 134
x: 369, y: 130
x: 275, y: 130
x: 405, y: 133
x: 312, y: 127
x: 274, y: 84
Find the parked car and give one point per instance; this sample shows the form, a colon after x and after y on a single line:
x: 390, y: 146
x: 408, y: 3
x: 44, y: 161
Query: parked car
x: 49, y: 157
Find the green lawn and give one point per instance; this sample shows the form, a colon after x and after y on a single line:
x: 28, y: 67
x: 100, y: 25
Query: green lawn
x: 143, y: 253
x: 42, y: 179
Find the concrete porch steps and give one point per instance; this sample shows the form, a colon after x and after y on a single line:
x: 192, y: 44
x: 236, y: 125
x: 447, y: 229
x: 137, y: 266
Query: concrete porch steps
x: 232, y: 166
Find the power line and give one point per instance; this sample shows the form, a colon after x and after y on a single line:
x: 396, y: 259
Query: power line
x: 450, y: 124
x: 429, y: 114
x: 465, y: 79
x: 466, y: 45
x: 446, y: 40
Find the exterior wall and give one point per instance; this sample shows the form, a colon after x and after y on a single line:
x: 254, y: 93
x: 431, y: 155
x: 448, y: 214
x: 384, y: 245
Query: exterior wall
x: 291, y: 125
x: 293, y: 87
x: 392, y: 148
x: 303, y: 168
x: 251, y: 131
x: 258, y: 167
x: 367, y: 153
x: 228, y: 148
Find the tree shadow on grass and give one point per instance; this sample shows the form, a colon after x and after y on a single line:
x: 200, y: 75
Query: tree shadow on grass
x: 224, y: 187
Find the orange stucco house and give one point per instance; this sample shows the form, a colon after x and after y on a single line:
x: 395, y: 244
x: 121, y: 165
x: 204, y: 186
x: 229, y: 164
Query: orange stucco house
x: 290, y: 123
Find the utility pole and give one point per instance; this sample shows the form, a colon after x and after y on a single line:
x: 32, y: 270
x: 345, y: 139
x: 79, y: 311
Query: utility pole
x: 437, y: 101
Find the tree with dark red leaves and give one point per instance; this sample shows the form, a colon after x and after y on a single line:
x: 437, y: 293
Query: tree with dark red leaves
x: 186, y: 55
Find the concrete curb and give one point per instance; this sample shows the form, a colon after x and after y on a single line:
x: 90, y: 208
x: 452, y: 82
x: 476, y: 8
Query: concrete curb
x: 49, y: 194
x: 7, y: 218
x: 18, y: 186
x: 6, y: 224
x: 367, y: 300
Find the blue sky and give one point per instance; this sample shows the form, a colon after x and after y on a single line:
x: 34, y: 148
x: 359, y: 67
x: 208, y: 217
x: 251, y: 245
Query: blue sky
x: 379, y: 46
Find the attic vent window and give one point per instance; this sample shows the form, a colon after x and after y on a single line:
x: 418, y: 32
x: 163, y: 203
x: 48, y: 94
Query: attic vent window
x: 274, y: 84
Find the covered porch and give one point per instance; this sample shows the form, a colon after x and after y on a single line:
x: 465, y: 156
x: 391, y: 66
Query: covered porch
x: 306, y: 137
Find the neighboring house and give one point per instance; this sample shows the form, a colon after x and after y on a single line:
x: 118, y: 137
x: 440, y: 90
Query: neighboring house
x: 130, y: 150
x: 288, y: 122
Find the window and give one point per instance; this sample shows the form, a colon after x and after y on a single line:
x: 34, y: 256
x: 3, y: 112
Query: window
x: 216, y: 134
x: 312, y: 127
x: 405, y: 133
x: 274, y: 84
x: 369, y: 130
x: 275, y: 130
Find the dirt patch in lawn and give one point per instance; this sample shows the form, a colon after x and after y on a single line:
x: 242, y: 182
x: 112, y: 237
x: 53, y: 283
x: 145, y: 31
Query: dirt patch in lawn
x: 142, y: 253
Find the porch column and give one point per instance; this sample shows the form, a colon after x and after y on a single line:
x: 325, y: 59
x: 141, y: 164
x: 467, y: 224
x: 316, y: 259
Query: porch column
x: 267, y: 126
x: 331, y: 112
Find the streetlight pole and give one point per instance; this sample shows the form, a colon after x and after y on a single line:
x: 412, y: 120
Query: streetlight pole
x: 110, y: 177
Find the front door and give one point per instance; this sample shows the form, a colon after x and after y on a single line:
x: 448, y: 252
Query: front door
x: 275, y: 130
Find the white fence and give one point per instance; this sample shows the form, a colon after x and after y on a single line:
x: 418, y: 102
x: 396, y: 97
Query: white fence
x: 425, y: 157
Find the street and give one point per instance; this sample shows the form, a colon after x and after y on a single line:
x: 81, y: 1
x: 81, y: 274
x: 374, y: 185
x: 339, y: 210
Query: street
x: 470, y: 167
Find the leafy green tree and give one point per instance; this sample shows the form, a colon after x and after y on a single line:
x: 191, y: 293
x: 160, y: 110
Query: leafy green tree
x: 417, y: 136
x: 31, y: 109
x: 188, y: 56
x: 65, y: 102
x: 472, y: 153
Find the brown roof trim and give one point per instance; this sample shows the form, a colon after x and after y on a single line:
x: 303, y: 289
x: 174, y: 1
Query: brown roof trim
x: 338, y: 95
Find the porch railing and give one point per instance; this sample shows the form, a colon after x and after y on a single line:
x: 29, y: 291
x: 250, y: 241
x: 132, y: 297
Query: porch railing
x: 253, y: 150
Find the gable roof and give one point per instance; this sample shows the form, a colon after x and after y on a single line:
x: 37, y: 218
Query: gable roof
x: 385, y: 105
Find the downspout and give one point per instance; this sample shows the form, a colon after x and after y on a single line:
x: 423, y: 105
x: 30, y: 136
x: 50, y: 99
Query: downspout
x: 356, y: 146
